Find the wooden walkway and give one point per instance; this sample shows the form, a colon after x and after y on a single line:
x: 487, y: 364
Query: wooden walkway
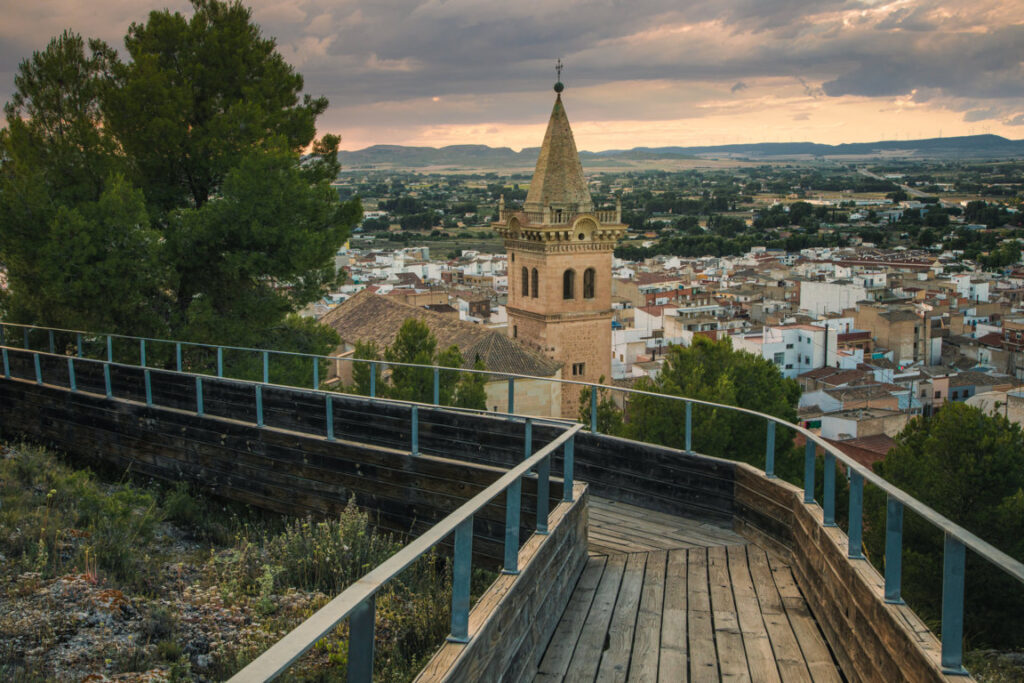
x: 681, y: 601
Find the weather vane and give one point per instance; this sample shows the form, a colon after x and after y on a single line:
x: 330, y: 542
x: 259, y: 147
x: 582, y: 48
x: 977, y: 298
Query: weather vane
x: 558, y: 70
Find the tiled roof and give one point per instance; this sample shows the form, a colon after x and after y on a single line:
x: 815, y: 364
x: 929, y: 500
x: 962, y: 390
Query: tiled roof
x: 369, y: 317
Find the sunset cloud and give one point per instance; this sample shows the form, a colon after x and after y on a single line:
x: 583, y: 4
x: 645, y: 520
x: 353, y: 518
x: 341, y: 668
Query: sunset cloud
x: 647, y: 73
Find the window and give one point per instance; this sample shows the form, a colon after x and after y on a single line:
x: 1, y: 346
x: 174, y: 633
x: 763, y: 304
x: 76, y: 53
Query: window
x: 589, y: 276
x: 938, y: 394
x: 578, y: 369
x: 515, y: 331
x: 526, y: 282
x: 569, y: 284
x: 779, y: 358
x: 789, y: 366
x: 536, y: 284
x: 789, y: 346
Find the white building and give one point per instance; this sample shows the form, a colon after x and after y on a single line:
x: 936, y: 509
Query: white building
x: 795, y: 349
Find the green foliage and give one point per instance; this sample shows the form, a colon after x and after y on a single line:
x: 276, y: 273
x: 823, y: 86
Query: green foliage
x: 361, y: 371
x: 711, y: 371
x: 110, y: 168
x: 63, y: 520
x: 328, y: 555
x: 471, y: 390
x: 969, y: 467
x: 415, y: 344
x: 609, y: 416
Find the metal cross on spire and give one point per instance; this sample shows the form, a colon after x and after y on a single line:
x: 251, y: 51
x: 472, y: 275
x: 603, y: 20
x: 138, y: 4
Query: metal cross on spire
x: 558, y: 69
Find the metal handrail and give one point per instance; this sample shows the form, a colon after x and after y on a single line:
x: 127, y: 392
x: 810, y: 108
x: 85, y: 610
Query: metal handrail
x: 957, y: 537
x: 281, y: 655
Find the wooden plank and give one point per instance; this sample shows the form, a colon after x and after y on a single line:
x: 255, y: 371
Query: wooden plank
x: 786, y: 649
x: 615, y: 660
x: 732, y: 658
x: 701, y: 638
x: 816, y: 653
x: 672, y: 663
x: 643, y: 665
x: 587, y: 656
x: 758, y: 647
x: 559, y: 651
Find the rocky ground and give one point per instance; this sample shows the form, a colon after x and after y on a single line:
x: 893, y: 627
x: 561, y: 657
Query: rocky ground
x: 81, y: 626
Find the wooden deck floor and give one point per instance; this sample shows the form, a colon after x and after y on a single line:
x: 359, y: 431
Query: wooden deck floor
x: 680, y: 601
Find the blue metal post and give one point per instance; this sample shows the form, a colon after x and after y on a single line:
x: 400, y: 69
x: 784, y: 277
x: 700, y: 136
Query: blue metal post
x: 7, y: 364
x: 769, y: 451
x: 528, y: 439
x: 329, y: 407
x: 149, y: 387
x: 360, y: 641
x: 78, y: 343
x: 106, y: 380
x: 855, y: 549
x: 259, y: 405
x: 220, y: 361
x: 437, y: 387
x: 893, y: 550
x: 568, y: 464
x: 266, y: 367
x: 142, y: 352
x: 26, y: 337
x: 809, y: 472
x: 3, y: 334
x: 543, y: 493
x: 512, y: 499
x: 830, y: 490
x: 199, y: 395
x: 39, y: 370
x: 71, y: 374
x: 415, y: 418
x: 373, y: 379
x: 53, y: 347
x: 953, y: 559
x: 593, y: 409
x: 316, y: 372
x: 177, y: 353
x: 689, y: 427
x: 511, y: 394
x: 462, y: 572
x: 110, y: 349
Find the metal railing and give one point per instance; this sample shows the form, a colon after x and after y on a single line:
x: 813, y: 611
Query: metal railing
x: 358, y: 601
x: 957, y: 539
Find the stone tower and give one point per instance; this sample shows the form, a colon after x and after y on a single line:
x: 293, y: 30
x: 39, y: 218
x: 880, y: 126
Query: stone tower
x: 560, y: 264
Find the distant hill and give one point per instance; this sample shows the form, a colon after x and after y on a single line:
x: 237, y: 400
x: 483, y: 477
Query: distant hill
x: 482, y: 156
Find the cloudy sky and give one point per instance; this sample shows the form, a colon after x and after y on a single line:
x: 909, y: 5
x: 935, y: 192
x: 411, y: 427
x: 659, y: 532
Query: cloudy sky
x: 638, y: 72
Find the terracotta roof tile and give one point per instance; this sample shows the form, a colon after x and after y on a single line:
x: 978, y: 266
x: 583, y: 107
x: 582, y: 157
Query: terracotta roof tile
x: 369, y: 317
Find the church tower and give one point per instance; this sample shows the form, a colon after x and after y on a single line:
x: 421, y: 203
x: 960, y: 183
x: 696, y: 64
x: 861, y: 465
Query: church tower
x: 560, y: 264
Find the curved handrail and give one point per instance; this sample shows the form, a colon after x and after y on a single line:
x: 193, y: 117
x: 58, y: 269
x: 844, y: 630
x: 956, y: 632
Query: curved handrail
x: 955, y: 534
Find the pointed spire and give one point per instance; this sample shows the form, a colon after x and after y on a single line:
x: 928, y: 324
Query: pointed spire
x: 558, y: 180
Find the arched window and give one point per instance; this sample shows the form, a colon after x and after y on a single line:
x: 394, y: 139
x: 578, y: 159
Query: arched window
x: 569, y: 284
x: 588, y: 283
x: 536, y: 284
x: 526, y: 282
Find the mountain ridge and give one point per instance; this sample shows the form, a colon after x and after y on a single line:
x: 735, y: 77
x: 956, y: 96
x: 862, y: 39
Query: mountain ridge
x: 985, y: 146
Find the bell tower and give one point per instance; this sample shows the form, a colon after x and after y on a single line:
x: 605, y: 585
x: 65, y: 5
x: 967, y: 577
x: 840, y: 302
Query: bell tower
x: 560, y: 263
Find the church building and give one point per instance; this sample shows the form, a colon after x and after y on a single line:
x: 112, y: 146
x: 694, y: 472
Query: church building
x: 560, y: 263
